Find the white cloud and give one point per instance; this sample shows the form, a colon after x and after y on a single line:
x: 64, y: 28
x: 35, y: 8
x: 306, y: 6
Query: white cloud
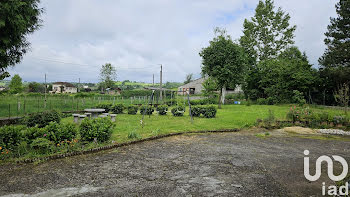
x: 138, y: 35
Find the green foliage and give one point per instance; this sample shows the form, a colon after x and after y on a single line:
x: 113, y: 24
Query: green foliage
x: 338, y: 39
x: 196, y: 111
x: 10, y: 136
x: 134, y: 135
x: 36, y: 87
x: 132, y: 109
x: 99, y: 129
x: 118, y: 108
x: 209, y: 87
x: 108, y: 74
x: 224, y: 61
x: 178, y: 110
x: 298, y: 98
x: 60, y: 132
x: 209, y: 111
x: 17, y: 20
x: 42, y: 119
x: 188, y: 78
x: 16, y: 85
x: 268, y: 33
x: 204, y: 101
x: 42, y: 145
x: 162, y: 109
x: 149, y: 110
x: 106, y: 106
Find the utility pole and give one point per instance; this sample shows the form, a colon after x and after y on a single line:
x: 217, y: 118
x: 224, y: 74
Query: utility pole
x: 45, y: 90
x: 160, y: 85
x: 153, y: 81
x: 78, y: 84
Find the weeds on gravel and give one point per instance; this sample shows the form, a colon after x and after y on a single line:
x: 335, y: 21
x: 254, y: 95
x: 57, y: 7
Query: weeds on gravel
x: 262, y: 135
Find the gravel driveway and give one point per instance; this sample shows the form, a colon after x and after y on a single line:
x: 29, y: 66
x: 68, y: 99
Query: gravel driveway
x: 220, y: 164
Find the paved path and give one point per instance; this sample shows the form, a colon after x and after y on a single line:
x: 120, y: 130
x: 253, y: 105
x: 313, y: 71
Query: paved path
x: 222, y: 164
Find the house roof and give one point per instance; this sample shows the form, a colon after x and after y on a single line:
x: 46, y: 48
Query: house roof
x: 64, y: 83
x: 194, y: 82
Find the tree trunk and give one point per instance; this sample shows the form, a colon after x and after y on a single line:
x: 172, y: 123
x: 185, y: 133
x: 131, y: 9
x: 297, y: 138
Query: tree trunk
x: 220, y: 95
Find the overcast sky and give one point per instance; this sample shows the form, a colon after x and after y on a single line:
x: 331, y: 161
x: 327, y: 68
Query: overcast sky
x: 78, y: 36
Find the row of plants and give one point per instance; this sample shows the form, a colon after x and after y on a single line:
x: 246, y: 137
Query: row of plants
x: 307, y: 116
x: 207, y: 111
x: 21, y: 141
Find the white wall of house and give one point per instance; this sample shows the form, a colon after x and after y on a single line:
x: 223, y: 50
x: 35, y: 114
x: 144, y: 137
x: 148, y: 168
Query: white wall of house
x: 197, y: 85
x: 56, y: 88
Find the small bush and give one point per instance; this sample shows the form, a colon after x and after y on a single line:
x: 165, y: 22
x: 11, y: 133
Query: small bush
x: 99, y: 128
x: 118, y: 108
x: 196, y: 111
x: 209, y: 111
x: 178, y: 110
x: 60, y: 132
x: 132, y: 109
x: 149, y: 108
x: 11, y: 136
x: 42, y: 145
x: 298, y: 98
x: 106, y: 106
x: 162, y: 109
x: 248, y: 103
x: 42, y: 119
x: 134, y: 135
x: 261, y: 101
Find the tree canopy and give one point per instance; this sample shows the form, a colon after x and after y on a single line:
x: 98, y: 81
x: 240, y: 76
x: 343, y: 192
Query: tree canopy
x: 16, y: 85
x: 268, y: 33
x: 224, y: 61
x: 17, y: 19
x: 108, y: 74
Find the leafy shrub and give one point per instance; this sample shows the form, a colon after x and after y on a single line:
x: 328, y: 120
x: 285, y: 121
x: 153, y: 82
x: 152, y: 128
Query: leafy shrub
x: 324, y: 117
x: 60, y: 132
x: 132, y: 109
x: 209, y: 111
x: 298, y: 98
x: 162, y: 109
x: 134, y: 135
x: 118, y: 108
x: 42, y: 145
x: 42, y: 119
x: 149, y: 108
x: 99, y: 128
x: 340, y: 120
x: 10, y: 136
x: 196, y: 111
x: 178, y: 110
x: 31, y: 133
x: 170, y: 102
x: 106, y: 106
x: 195, y: 102
x: 261, y: 101
x: 248, y: 102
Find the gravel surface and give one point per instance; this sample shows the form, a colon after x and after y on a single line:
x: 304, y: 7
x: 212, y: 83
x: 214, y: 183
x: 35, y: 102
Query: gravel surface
x: 221, y: 164
x: 334, y: 131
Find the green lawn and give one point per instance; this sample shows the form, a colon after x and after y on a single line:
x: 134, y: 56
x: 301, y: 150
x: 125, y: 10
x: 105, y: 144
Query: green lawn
x: 229, y: 117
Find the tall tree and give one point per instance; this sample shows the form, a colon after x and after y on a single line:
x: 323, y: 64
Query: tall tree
x: 16, y: 85
x: 108, y: 74
x: 188, y: 78
x: 265, y: 36
x: 224, y: 61
x: 17, y: 19
x: 337, y: 54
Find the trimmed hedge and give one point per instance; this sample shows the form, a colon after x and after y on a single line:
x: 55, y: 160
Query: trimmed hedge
x: 118, y: 108
x: 149, y: 111
x: 207, y: 111
x: 178, y: 110
x: 162, y: 109
x: 132, y: 109
x: 99, y: 128
x: 106, y: 106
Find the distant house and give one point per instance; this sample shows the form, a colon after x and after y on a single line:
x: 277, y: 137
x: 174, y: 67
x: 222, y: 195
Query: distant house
x: 63, y: 87
x: 196, y: 87
x: 113, y: 91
